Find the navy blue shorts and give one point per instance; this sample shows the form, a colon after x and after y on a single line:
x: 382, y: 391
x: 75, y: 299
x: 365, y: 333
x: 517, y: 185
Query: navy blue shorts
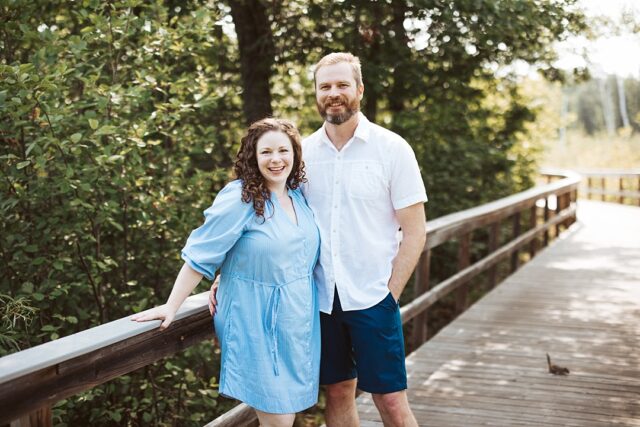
x: 364, y: 344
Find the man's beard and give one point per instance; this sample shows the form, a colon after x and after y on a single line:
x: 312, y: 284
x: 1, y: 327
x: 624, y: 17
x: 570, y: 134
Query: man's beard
x: 351, y: 108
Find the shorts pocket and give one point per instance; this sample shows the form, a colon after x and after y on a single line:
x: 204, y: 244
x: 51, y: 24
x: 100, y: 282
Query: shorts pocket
x: 390, y: 302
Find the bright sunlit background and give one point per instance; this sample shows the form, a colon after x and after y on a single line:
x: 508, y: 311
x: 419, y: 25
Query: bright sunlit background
x: 615, y: 48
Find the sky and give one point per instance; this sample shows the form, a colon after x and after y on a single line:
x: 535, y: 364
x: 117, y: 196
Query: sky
x: 608, y: 54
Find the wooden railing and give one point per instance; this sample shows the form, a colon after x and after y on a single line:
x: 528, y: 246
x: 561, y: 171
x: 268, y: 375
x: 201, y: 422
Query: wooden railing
x: 33, y: 379
x: 620, y: 186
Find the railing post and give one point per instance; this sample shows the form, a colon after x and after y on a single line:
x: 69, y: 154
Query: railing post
x: 462, y: 293
x: 559, y: 208
x: 494, y: 242
x: 603, y: 183
x: 621, y: 187
x: 589, y: 187
x: 515, y: 259
x: 545, y: 216
x: 41, y: 417
x: 421, y: 285
x: 533, y: 221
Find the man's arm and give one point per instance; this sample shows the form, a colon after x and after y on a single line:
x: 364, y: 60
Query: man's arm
x: 412, y: 220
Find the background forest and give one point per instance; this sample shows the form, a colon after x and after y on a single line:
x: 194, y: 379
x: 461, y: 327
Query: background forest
x: 119, y: 121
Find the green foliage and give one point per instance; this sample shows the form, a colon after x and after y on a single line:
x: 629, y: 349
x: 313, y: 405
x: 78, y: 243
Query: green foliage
x: 430, y: 73
x: 119, y: 122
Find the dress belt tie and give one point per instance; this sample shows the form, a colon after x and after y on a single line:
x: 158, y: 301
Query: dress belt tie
x: 271, y: 321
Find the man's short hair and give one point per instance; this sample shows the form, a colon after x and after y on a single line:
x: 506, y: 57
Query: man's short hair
x: 338, y: 57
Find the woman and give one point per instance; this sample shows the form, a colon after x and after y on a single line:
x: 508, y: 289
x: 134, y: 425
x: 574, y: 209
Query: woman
x: 262, y: 235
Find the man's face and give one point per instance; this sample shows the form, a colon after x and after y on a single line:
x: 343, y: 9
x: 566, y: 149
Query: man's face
x: 337, y: 94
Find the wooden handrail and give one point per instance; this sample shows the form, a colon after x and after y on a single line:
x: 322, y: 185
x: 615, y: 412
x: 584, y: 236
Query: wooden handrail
x: 611, y: 185
x: 42, y: 375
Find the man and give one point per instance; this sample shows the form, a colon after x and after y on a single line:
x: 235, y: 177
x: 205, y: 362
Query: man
x: 363, y: 185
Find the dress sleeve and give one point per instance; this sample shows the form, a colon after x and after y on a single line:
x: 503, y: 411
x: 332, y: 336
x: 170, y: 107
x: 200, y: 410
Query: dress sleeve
x: 224, y: 223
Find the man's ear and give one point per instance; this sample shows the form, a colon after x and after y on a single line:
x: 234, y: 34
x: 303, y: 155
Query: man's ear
x: 360, y: 92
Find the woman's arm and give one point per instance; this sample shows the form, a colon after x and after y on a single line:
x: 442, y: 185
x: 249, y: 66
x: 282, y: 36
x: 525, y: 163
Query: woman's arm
x: 185, y: 283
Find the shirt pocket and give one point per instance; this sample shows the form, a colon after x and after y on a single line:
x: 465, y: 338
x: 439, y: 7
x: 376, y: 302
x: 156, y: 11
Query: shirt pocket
x: 366, y: 180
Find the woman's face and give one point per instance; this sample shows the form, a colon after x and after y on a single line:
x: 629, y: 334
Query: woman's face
x: 274, y: 153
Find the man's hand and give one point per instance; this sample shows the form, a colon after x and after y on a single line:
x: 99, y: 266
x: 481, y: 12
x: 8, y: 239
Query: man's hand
x: 162, y: 312
x: 412, y: 220
x: 395, y: 293
x: 212, y: 296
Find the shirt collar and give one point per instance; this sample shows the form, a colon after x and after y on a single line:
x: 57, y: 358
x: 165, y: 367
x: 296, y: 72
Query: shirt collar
x: 362, y: 132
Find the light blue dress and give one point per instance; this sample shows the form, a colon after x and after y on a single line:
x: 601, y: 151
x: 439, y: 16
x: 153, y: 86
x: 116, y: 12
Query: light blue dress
x: 267, y: 317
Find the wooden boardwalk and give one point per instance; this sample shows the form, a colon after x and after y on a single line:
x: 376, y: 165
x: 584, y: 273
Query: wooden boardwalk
x: 579, y: 301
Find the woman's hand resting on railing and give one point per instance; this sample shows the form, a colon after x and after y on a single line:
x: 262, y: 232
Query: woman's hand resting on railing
x: 163, y: 312
x: 185, y: 283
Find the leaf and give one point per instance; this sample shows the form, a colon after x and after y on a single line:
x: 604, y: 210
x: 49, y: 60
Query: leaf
x: 30, y: 147
x: 93, y: 123
x: 23, y: 165
x: 106, y: 130
x: 72, y: 319
x: 76, y: 137
x: 38, y: 296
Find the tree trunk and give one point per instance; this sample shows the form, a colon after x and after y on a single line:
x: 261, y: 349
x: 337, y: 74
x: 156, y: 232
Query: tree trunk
x: 607, y: 107
x: 255, y: 42
x: 622, y: 103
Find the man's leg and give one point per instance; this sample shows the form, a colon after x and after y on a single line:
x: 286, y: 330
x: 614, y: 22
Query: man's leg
x: 341, y: 404
x: 394, y: 409
x: 337, y: 371
x: 378, y: 345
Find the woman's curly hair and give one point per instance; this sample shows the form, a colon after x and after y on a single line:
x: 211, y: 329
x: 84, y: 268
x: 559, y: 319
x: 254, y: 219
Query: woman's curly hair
x: 254, y: 187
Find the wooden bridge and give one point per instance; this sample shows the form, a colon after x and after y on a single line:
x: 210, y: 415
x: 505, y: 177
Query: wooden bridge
x: 578, y: 300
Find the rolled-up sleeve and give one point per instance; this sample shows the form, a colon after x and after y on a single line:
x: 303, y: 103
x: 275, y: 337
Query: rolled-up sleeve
x: 224, y: 223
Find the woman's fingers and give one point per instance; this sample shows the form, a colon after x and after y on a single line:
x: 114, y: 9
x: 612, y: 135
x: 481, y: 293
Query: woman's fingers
x: 165, y: 324
x: 153, y: 314
x: 212, y: 296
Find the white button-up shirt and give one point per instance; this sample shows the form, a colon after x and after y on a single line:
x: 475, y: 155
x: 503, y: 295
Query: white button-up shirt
x: 354, y: 194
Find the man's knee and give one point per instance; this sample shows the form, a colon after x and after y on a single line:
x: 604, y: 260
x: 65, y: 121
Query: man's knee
x: 342, y: 390
x: 394, y: 404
